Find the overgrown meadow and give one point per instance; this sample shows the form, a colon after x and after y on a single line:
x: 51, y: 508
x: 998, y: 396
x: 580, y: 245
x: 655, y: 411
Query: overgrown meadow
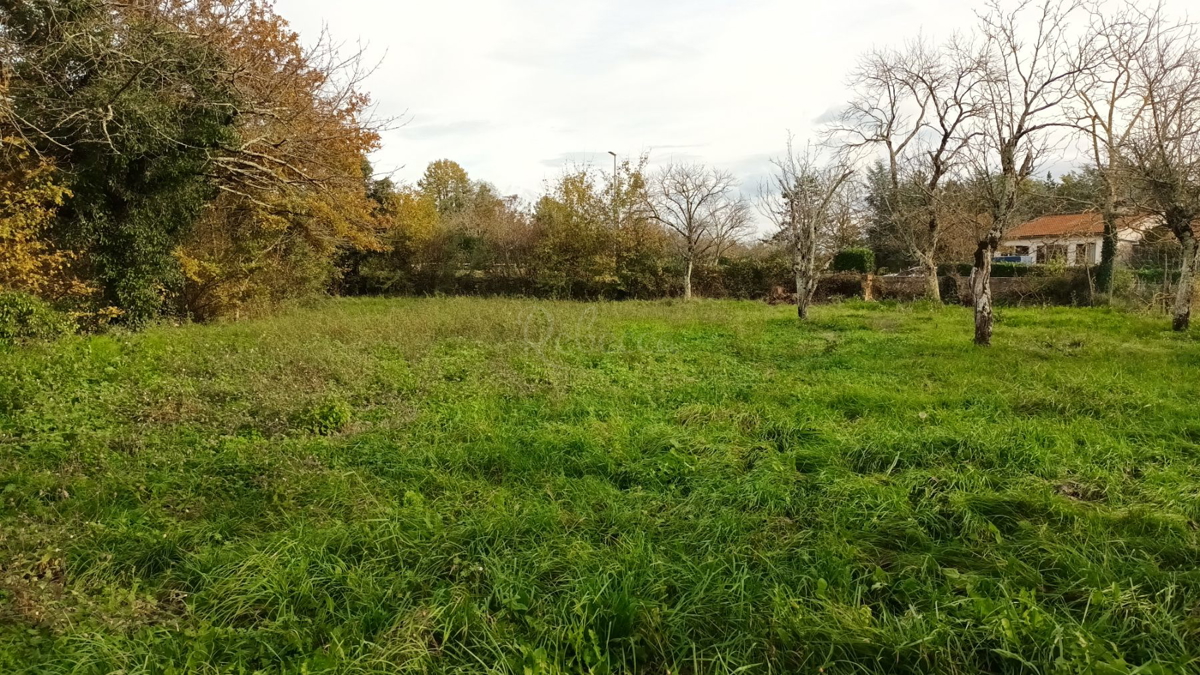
x: 487, y: 485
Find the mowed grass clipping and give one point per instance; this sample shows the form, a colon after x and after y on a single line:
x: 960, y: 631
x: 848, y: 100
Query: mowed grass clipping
x: 486, y: 485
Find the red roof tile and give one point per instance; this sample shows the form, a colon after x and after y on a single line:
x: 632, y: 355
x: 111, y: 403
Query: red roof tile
x: 1066, y: 225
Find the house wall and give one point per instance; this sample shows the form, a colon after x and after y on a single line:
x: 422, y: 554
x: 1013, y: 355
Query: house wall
x: 1127, y: 237
x: 1074, y: 246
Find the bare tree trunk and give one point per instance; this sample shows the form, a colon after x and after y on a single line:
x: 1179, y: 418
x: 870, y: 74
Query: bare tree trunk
x: 1187, y: 280
x: 801, y: 211
x: 932, y: 289
x: 1108, y: 252
x: 801, y: 284
x: 687, y: 281
x: 802, y: 295
x: 805, y: 263
x: 981, y: 289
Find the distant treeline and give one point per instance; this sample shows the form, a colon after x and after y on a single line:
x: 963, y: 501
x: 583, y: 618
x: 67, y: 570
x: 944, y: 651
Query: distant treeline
x: 591, y: 237
x: 192, y: 159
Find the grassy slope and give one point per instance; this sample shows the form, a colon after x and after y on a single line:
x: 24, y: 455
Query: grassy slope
x: 644, y: 486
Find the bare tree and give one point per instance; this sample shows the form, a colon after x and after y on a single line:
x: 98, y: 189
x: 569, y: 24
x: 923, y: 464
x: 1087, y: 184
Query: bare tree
x: 1028, y: 75
x: 845, y: 219
x: 1108, y: 106
x: 917, y: 106
x: 800, y: 200
x: 731, y: 224
x: 1164, y: 148
x: 689, y: 200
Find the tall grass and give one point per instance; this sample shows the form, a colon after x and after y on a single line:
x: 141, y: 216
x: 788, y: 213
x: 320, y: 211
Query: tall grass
x: 467, y: 485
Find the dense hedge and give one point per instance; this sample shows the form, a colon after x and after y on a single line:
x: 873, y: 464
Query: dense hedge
x: 1009, y: 269
x: 1069, y: 287
x: 854, y: 260
x: 744, y: 278
x: 839, y: 286
x: 752, y: 279
x: 1157, y: 275
x: 740, y: 278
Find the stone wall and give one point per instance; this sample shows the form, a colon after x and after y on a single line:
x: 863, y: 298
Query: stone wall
x: 904, y: 289
x: 1071, y: 287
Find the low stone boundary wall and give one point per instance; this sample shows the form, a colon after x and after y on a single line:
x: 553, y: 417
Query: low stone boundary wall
x: 1072, y: 287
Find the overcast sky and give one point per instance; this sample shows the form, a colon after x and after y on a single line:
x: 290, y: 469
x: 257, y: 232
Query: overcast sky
x: 514, y: 89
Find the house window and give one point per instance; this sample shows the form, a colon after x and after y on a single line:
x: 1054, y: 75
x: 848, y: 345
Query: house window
x: 1085, y: 254
x: 1051, y: 252
x: 1021, y: 250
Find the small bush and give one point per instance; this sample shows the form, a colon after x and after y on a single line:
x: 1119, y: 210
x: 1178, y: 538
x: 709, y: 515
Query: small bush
x: 745, y: 278
x: 1009, y: 269
x: 1155, y: 275
x: 327, y: 418
x: 24, y: 317
x: 1123, y: 281
x: 854, y: 260
x: 837, y: 287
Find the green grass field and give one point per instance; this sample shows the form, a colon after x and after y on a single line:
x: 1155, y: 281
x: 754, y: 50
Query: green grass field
x: 471, y: 485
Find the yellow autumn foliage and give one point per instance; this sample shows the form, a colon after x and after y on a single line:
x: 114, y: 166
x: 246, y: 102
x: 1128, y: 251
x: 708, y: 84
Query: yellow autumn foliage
x: 29, y: 198
x: 414, y: 216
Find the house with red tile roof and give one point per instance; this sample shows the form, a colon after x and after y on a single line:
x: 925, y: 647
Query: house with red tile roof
x: 1074, y: 238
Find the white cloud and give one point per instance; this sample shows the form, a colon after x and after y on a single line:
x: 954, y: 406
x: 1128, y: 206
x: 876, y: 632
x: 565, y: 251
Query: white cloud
x: 514, y: 89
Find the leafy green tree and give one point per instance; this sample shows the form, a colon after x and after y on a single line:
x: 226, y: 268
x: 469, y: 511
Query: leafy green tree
x: 447, y: 184
x: 644, y: 264
x: 575, y: 254
x: 130, y: 109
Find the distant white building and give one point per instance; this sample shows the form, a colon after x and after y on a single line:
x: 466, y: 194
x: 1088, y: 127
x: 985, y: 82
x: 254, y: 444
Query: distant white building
x: 1075, y: 238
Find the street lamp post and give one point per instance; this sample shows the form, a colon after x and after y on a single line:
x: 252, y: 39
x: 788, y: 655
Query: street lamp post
x: 616, y: 185
x: 616, y: 214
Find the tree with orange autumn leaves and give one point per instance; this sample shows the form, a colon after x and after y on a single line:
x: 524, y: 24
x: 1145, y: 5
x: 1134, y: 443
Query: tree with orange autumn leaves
x: 293, y: 189
x: 204, y: 160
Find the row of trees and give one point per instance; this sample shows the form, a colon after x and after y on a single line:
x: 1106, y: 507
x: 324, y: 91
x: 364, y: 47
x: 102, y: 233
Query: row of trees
x: 592, y: 234
x: 962, y: 127
x: 192, y: 157
x: 186, y: 156
x: 936, y: 154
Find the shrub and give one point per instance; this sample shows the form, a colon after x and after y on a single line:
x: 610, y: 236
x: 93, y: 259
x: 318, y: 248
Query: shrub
x: 327, y: 418
x: 1009, y: 269
x: 642, y: 274
x: 953, y: 289
x: 839, y: 286
x: 898, y: 288
x: 745, y: 278
x: 24, y: 317
x: 1123, y: 280
x: 1155, y: 275
x: 854, y: 260
x: 1069, y: 287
